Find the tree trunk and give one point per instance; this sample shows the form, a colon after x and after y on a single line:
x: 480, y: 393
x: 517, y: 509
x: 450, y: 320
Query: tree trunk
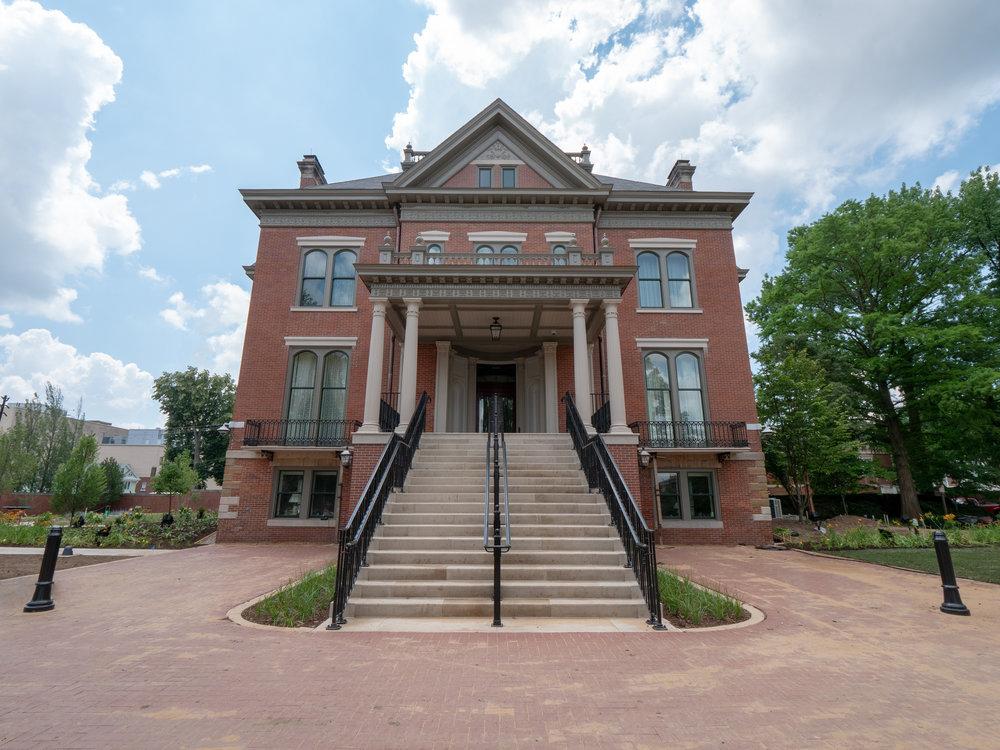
x: 909, y: 505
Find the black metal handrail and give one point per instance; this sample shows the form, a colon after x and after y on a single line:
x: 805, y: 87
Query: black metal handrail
x: 601, y: 418
x: 388, y: 417
x: 688, y: 434
x: 356, y: 535
x: 498, y: 460
x: 324, y: 433
x: 635, y: 534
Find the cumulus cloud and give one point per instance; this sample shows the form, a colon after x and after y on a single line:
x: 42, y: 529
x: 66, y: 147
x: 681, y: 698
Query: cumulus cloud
x: 763, y: 96
x: 111, y: 389
x: 6, y: 322
x: 55, y: 75
x: 948, y: 181
x: 220, y: 316
x: 154, y: 180
x: 148, y: 272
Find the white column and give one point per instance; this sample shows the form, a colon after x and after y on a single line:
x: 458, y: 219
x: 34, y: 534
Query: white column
x: 441, y: 382
x: 408, y: 368
x: 519, y: 395
x: 581, y: 367
x: 616, y: 380
x: 376, y: 352
x: 551, y: 388
x: 472, y: 415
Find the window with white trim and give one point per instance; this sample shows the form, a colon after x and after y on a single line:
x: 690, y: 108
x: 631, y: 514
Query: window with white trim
x: 674, y: 386
x: 486, y: 177
x: 686, y: 495
x: 434, y: 251
x: 331, y: 270
x: 306, y: 493
x: 666, y: 281
x: 508, y: 177
x: 317, y: 397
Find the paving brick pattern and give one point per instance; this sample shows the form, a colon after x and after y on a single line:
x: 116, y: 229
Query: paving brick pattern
x: 138, y: 653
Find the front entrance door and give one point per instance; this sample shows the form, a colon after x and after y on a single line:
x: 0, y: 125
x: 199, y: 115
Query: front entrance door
x: 499, y: 380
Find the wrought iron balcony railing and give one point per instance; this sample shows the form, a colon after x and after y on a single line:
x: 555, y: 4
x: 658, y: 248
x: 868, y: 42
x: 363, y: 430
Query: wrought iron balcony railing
x: 572, y: 257
x: 325, y: 433
x: 721, y: 435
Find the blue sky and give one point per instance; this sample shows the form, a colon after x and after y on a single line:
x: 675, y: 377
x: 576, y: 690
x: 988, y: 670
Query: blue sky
x: 138, y: 271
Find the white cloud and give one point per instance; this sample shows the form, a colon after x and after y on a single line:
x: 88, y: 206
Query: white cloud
x: 56, y: 75
x: 150, y: 179
x: 6, y: 322
x: 173, y: 172
x: 148, y: 272
x: 220, y: 318
x: 154, y: 180
x: 948, y: 181
x: 797, y: 102
x: 200, y: 168
x: 111, y: 389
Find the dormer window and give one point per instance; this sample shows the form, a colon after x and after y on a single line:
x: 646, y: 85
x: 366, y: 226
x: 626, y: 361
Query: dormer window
x: 486, y: 177
x: 508, y: 177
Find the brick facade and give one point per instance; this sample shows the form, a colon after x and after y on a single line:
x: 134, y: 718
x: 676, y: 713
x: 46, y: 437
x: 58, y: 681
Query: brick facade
x: 248, y: 489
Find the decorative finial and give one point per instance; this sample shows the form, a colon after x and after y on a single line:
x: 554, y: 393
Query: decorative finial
x: 604, y: 240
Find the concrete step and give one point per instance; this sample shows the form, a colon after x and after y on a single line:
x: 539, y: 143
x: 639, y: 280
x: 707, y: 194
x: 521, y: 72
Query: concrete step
x: 462, y: 589
x: 384, y: 540
x: 473, y: 475
x: 520, y: 531
x: 482, y: 607
x: 516, y: 484
x: 484, y: 572
x: 452, y: 518
x: 403, y: 505
x: 547, y: 558
x: 452, y: 496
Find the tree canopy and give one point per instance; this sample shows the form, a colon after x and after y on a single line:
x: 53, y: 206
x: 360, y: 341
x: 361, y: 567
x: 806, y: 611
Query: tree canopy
x: 176, y: 476
x: 894, y: 298
x: 197, y: 403
x: 80, y: 480
x: 114, y: 484
x: 41, y: 439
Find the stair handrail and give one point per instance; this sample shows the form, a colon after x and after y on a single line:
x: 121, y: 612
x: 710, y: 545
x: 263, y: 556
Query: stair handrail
x: 495, y: 434
x: 355, y: 536
x: 636, y: 536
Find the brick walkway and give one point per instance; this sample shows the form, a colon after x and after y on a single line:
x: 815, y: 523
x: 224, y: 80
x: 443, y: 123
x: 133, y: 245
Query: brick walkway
x: 138, y: 653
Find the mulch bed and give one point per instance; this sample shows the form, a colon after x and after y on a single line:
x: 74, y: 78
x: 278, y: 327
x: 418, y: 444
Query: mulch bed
x: 251, y: 614
x: 12, y: 566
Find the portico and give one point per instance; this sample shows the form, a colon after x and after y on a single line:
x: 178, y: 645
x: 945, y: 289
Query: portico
x: 498, y: 329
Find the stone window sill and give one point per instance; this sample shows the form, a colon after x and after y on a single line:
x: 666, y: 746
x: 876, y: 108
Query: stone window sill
x: 661, y: 310
x: 680, y: 524
x: 298, y: 522
x: 318, y: 308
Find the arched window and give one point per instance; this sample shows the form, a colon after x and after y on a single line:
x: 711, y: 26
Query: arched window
x: 679, y: 280
x: 344, y: 276
x: 313, y: 279
x: 658, y: 387
x: 650, y: 291
x: 559, y: 251
x: 332, y: 400
x: 433, y: 254
x: 509, y: 250
x: 690, y: 399
x: 484, y: 250
x: 303, y: 383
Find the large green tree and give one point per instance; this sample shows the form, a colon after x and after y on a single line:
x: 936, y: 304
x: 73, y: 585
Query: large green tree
x: 886, y: 296
x: 80, y: 480
x: 197, y: 403
x: 114, y: 484
x: 41, y: 439
x: 808, y: 433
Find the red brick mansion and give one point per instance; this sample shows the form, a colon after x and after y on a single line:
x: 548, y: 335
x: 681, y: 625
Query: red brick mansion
x: 494, y: 266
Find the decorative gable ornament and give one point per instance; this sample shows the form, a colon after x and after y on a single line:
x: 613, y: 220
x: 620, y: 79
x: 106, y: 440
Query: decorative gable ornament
x: 497, y: 152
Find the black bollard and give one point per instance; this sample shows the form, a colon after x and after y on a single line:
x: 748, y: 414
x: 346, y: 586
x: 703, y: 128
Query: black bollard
x: 42, y: 600
x: 952, y: 600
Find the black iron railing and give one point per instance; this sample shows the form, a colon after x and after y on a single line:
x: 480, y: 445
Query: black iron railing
x: 601, y: 418
x: 356, y: 535
x: 388, y: 417
x: 496, y: 536
x: 636, y: 535
x: 327, y: 433
x: 722, y: 435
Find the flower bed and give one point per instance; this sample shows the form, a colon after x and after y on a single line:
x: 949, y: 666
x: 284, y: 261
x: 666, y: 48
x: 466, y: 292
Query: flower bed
x: 133, y: 529
x: 689, y: 606
x: 302, y: 604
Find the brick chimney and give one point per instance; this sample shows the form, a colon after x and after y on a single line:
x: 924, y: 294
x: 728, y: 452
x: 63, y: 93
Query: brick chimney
x: 681, y: 175
x: 311, y: 172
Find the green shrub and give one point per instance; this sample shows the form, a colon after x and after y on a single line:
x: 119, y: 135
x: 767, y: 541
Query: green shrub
x: 22, y: 536
x: 298, y: 604
x: 693, y: 604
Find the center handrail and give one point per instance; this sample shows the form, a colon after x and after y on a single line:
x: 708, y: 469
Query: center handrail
x: 500, y: 541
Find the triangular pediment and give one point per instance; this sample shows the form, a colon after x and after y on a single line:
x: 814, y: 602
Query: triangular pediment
x: 497, y: 135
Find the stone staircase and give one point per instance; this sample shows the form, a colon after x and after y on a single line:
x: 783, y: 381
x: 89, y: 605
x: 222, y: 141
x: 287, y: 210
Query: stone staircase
x: 427, y: 559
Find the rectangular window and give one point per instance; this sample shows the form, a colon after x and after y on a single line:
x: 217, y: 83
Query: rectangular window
x: 668, y: 488
x: 323, y: 499
x: 686, y: 495
x: 289, y: 501
x: 508, y: 175
x: 485, y: 177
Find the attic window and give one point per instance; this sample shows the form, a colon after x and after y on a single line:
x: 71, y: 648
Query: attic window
x: 485, y: 177
x: 509, y: 177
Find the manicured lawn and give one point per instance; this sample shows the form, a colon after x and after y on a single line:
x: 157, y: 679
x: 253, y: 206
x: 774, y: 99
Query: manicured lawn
x: 690, y: 606
x: 306, y: 603
x: 978, y: 563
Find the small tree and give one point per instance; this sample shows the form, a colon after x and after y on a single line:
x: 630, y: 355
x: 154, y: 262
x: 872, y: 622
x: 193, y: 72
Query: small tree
x: 176, y: 476
x: 80, y: 480
x: 114, y: 476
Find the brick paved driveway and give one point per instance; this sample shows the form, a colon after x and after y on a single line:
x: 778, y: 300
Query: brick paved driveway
x: 138, y: 654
